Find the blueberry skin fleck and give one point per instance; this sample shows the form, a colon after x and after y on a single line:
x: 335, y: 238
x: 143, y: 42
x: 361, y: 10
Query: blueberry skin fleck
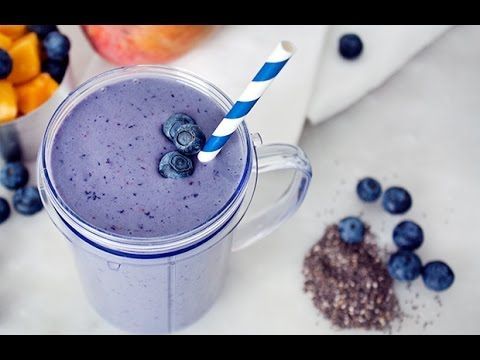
x: 56, y: 46
x: 396, y: 200
x: 404, y: 266
x: 350, y: 46
x: 408, y: 235
x: 42, y: 30
x: 4, y: 210
x: 437, y: 276
x: 56, y: 68
x: 175, y: 165
x: 369, y: 189
x: 6, y: 64
x: 170, y: 126
x: 189, y: 139
x: 27, y: 200
x: 14, y: 175
x: 352, y: 230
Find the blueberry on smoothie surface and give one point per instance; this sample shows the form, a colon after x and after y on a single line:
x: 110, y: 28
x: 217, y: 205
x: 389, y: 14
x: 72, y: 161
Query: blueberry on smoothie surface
x: 14, y: 175
x: 189, y: 139
x: 369, y: 189
x: 27, y: 200
x: 170, y: 126
x: 175, y: 165
x: 4, y: 210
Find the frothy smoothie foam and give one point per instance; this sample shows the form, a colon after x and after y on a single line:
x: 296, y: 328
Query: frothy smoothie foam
x: 105, y: 158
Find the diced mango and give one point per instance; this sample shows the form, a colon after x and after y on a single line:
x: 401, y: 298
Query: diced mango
x: 8, y: 102
x: 25, y: 53
x: 5, y: 42
x: 13, y: 31
x: 34, y: 93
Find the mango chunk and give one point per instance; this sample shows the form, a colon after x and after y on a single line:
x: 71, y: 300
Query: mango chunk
x: 8, y: 102
x: 13, y: 31
x: 34, y: 93
x: 5, y: 42
x: 25, y: 53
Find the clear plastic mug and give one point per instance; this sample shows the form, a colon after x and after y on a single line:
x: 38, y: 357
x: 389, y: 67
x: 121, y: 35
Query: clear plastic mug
x: 163, y: 284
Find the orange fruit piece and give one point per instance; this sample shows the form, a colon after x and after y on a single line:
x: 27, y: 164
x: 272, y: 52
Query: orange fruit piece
x: 25, y: 54
x: 5, y: 41
x: 13, y: 31
x: 35, y: 92
x: 8, y: 102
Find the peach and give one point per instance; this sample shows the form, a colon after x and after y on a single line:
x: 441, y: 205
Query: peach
x: 5, y: 41
x: 13, y: 31
x: 35, y: 92
x: 8, y: 102
x: 143, y: 44
x: 25, y: 53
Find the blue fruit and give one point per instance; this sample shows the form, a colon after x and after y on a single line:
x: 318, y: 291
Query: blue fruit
x: 189, y: 139
x: 352, y: 230
x: 14, y: 176
x: 408, y: 235
x: 55, y: 68
x: 350, y: 46
x: 42, y: 30
x: 369, y: 189
x: 404, y: 266
x: 174, y: 122
x: 56, y: 46
x: 437, y: 276
x: 6, y: 64
x: 396, y: 200
x: 27, y: 200
x: 174, y: 165
x: 4, y: 210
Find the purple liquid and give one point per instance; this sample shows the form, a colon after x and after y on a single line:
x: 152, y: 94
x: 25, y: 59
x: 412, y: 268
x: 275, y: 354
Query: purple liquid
x: 106, y: 153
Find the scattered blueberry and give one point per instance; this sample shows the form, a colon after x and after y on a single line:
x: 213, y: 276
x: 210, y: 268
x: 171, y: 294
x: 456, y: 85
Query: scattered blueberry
x: 350, y: 46
x: 14, y: 175
x: 27, y: 200
x: 396, y: 200
x: 174, y: 165
x: 6, y: 64
x: 56, y: 46
x: 56, y: 68
x: 174, y: 122
x: 10, y: 148
x: 189, y: 139
x: 352, y: 230
x: 404, y: 266
x: 369, y: 189
x: 42, y: 30
x: 408, y: 235
x: 437, y: 276
x: 4, y: 210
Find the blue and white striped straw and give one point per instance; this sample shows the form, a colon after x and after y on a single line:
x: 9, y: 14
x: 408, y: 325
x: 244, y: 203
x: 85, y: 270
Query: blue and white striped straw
x: 255, y: 89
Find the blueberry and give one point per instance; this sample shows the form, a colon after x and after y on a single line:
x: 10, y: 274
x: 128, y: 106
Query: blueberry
x: 396, y: 200
x: 56, y: 46
x: 56, y: 68
x: 437, y: 276
x: 189, y: 139
x: 350, y: 46
x: 174, y: 165
x: 369, y: 189
x: 174, y: 122
x: 27, y: 200
x: 408, y: 235
x: 4, y: 210
x: 404, y: 266
x: 6, y: 64
x: 14, y: 176
x: 42, y: 30
x: 352, y: 230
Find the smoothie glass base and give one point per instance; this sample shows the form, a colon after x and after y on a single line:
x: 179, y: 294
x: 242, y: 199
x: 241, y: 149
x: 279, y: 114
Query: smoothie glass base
x: 162, y: 284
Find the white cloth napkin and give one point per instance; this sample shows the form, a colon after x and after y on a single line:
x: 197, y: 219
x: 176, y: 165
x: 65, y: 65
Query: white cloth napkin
x: 316, y: 83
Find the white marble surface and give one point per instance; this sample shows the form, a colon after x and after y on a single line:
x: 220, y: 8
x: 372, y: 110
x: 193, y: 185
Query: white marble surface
x: 420, y: 130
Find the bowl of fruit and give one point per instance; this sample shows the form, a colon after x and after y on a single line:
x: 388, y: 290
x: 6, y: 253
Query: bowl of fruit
x: 34, y: 79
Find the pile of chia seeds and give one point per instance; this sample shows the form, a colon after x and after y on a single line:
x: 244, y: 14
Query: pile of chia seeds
x: 349, y: 283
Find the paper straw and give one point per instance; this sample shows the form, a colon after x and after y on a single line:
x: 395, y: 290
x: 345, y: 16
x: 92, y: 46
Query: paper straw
x: 255, y: 89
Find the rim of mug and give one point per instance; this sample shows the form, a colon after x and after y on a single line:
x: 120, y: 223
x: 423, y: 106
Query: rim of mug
x: 32, y: 114
x: 133, y: 244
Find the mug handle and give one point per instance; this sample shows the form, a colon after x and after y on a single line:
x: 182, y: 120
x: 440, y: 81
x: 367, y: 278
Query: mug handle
x: 275, y: 157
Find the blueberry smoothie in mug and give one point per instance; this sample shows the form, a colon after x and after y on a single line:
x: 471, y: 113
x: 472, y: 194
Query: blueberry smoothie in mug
x: 150, y: 226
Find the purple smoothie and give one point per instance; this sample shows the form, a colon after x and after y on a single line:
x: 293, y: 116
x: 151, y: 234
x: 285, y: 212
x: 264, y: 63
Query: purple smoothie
x: 106, y: 152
